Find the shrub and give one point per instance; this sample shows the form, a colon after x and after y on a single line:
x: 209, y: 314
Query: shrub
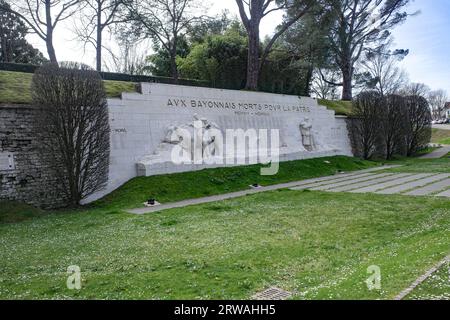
x: 73, y: 128
x: 28, y: 68
x: 364, y: 124
x: 418, y: 124
x: 393, y: 113
x: 389, y: 125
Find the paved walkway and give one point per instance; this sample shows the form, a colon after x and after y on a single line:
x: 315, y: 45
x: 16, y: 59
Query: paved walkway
x: 364, y: 181
x: 310, y: 182
x: 438, y: 153
x: 411, y: 184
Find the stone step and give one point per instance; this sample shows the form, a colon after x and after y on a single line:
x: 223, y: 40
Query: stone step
x: 430, y: 189
x: 392, y: 183
x: 414, y: 184
x: 351, y: 181
x: 311, y: 183
x: 370, y: 183
x: 332, y: 179
x: 444, y: 194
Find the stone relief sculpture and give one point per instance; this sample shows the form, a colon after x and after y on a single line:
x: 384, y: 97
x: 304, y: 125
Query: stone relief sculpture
x: 312, y: 140
x: 205, y: 145
x: 211, y: 145
x: 305, y: 129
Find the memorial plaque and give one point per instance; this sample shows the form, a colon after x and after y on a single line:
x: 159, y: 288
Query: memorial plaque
x: 7, y: 161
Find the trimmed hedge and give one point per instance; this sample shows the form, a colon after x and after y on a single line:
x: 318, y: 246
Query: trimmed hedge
x: 28, y: 68
x: 18, y: 67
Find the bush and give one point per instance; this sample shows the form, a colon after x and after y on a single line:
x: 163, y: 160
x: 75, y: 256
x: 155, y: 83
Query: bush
x: 18, y: 67
x: 364, y: 124
x: 418, y: 125
x: 73, y: 128
x: 387, y: 125
x: 28, y: 68
x: 392, y: 117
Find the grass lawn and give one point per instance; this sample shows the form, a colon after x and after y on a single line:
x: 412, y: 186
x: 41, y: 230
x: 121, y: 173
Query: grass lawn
x: 417, y: 165
x: 188, y: 185
x: 317, y: 245
x: 15, y: 87
x: 11, y: 212
x: 440, y: 136
x: 342, y: 108
x: 436, y: 287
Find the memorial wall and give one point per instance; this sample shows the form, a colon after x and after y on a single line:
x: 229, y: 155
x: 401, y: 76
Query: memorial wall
x: 202, y: 123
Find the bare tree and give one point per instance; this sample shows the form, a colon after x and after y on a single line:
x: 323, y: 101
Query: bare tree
x: 94, y: 19
x: 385, y: 75
x: 42, y: 16
x: 252, y: 12
x: 438, y: 100
x: 359, y: 25
x: 418, y: 124
x: 72, y: 127
x: 323, y: 89
x: 364, y: 125
x: 165, y: 21
x: 130, y: 59
x: 416, y: 89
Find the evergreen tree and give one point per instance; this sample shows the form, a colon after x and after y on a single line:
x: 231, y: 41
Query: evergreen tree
x: 13, y: 45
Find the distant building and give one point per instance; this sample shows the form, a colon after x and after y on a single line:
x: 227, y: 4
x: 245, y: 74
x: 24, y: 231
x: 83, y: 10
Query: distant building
x: 447, y: 110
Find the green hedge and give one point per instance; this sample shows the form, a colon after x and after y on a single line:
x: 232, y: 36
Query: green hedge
x: 18, y: 67
x: 27, y: 68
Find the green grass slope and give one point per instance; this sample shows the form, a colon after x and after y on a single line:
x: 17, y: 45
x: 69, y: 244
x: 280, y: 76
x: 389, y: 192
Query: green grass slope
x: 188, y: 185
x: 342, y: 108
x: 15, y: 87
x: 11, y: 212
x: 418, y: 165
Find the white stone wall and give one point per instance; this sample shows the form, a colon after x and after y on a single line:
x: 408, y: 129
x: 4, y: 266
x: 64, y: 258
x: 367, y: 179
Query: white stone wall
x: 139, y: 121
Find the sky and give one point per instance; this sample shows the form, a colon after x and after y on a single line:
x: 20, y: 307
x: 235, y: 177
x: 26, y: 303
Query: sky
x: 426, y: 35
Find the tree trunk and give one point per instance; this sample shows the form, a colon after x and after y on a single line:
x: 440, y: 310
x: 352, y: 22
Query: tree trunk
x: 99, y: 51
x: 173, y: 67
x: 99, y: 37
x: 308, y: 82
x: 347, y: 74
x: 4, y: 56
x: 49, y: 36
x: 50, y: 48
x: 253, y: 56
x: 173, y: 58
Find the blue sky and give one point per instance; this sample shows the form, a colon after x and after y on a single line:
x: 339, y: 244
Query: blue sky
x: 427, y: 36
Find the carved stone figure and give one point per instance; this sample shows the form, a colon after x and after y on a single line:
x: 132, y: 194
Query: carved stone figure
x: 307, y: 139
x: 211, y: 143
x: 196, y: 140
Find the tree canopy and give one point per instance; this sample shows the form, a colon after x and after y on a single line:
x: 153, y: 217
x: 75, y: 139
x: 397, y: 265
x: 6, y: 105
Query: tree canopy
x: 13, y: 45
